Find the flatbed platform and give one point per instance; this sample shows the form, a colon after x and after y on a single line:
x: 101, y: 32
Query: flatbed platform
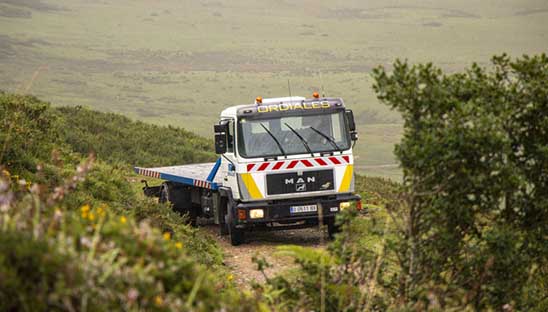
x: 199, y: 175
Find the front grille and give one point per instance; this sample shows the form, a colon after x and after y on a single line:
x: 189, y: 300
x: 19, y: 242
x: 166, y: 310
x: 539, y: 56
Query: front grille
x: 300, y: 182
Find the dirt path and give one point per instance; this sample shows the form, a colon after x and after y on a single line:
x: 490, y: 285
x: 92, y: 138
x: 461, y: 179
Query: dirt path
x: 263, y: 244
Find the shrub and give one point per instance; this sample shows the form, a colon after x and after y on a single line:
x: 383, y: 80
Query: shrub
x: 473, y: 153
x: 357, y: 272
x: 88, y: 240
x: 115, y: 138
x: 34, y: 276
x: 53, y: 256
x: 44, y: 144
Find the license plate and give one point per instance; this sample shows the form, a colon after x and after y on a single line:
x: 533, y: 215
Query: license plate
x: 302, y: 209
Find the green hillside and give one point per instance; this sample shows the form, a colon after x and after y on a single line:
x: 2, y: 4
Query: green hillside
x: 181, y: 62
x: 116, y: 138
x: 76, y: 232
x: 43, y: 145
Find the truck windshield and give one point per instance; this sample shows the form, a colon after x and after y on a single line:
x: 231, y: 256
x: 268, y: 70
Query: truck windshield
x: 290, y: 135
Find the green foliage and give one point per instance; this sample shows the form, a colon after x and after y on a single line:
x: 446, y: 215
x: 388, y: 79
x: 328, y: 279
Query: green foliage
x: 31, y: 130
x: 26, y: 128
x: 31, y: 272
x: 88, y: 240
x: 376, y: 191
x: 44, y: 144
x: 474, y: 155
x: 115, y: 138
x: 60, y: 258
x: 357, y: 272
x: 163, y: 217
x: 467, y: 229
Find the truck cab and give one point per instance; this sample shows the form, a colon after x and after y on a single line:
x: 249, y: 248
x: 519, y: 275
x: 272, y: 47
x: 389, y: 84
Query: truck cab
x: 286, y: 163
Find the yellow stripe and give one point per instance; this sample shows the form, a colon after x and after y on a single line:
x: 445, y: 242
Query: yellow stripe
x: 347, y: 179
x: 251, y: 186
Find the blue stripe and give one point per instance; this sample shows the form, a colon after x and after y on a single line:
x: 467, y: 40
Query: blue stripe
x: 214, y: 170
x: 178, y: 179
x: 186, y: 181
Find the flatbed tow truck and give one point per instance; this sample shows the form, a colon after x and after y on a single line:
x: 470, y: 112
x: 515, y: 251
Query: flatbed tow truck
x: 284, y: 163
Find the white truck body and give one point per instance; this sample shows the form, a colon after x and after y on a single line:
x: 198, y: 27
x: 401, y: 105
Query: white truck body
x: 281, y: 161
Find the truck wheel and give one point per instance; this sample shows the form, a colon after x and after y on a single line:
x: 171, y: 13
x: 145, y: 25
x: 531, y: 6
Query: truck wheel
x: 193, y: 214
x: 332, y: 228
x: 179, y: 198
x: 163, y: 193
x: 223, y: 228
x: 236, y: 235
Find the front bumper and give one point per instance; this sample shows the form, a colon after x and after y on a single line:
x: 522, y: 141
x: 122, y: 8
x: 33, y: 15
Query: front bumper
x: 279, y: 211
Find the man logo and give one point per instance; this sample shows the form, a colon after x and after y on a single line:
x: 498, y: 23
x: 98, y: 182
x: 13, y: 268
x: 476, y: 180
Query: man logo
x: 300, y: 180
x: 300, y: 188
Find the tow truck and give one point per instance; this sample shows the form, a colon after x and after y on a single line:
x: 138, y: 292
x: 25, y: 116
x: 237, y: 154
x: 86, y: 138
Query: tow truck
x: 284, y: 163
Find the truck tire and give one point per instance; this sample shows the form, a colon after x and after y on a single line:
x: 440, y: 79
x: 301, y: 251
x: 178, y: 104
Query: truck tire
x: 179, y: 197
x: 332, y: 228
x: 236, y: 235
x: 223, y: 228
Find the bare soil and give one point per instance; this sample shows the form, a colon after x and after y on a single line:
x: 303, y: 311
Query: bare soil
x: 264, y: 244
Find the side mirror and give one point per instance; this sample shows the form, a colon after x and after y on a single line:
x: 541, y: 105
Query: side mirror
x: 350, y: 119
x: 351, y: 125
x: 221, y: 132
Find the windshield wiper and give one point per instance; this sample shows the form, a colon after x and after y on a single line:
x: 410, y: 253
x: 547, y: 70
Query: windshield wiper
x: 328, y: 138
x: 301, y: 138
x: 275, y: 140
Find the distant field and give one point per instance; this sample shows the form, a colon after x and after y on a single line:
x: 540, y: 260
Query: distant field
x: 181, y: 62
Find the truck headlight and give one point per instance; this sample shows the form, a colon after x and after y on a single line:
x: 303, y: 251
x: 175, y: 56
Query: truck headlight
x: 344, y: 205
x: 256, y: 213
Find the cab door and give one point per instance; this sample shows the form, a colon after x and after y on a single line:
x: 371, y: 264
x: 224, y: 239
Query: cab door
x: 229, y: 161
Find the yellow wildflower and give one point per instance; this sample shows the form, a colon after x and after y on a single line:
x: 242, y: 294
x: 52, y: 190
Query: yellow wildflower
x: 91, y: 216
x: 167, y: 236
x: 85, y: 208
x: 85, y: 211
x: 6, y: 173
x: 101, y: 211
x: 158, y: 300
x: 230, y: 277
x: 123, y: 220
x: 179, y: 245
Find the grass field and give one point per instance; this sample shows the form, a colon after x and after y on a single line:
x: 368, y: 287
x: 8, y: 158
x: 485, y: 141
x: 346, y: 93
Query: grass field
x: 181, y: 62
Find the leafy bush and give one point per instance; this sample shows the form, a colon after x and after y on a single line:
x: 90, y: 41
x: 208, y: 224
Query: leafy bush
x: 115, y: 138
x: 474, y: 155
x: 26, y: 130
x: 467, y: 229
x: 44, y: 144
x: 88, y: 240
x: 355, y: 273
x: 53, y: 256
x: 32, y: 272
